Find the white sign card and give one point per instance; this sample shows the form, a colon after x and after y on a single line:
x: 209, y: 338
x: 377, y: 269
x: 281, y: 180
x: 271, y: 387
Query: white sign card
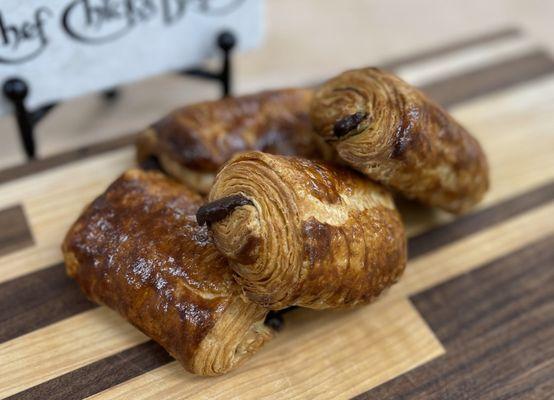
x: 64, y: 48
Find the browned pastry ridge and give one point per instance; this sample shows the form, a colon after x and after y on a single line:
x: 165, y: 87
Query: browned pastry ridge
x: 302, y: 232
x: 138, y: 249
x: 394, y: 134
x: 193, y: 142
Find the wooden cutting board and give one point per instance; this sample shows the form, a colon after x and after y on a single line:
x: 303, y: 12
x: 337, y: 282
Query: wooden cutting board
x: 472, y: 317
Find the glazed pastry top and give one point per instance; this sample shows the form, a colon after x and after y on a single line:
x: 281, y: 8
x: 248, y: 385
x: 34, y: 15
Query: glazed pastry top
x: 392, y: 132
x: 141, y: 239
x: 203, y: 136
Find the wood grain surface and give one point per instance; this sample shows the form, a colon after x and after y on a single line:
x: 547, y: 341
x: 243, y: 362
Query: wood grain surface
x: 472, y: 317
x: 496, y: 324
x: 15, y: 233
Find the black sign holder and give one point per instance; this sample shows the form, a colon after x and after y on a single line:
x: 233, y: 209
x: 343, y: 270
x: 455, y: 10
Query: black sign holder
x: 16, y: 89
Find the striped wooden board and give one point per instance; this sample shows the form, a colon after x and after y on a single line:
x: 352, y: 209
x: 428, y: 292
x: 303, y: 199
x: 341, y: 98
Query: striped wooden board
x: 473, y: 317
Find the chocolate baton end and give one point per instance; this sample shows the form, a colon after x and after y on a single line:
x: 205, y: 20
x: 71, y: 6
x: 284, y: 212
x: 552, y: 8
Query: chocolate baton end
x: 220, y: 209
x: 347, y: 124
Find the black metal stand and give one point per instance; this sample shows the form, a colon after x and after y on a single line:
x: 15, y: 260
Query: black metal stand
x: 226, y: 42
x: 15, y: 89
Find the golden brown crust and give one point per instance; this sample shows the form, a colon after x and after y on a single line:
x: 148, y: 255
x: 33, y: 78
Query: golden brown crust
x: 394, y: 134
x: 196, y: 140
x: 137, y: 249
x: 312, y: 234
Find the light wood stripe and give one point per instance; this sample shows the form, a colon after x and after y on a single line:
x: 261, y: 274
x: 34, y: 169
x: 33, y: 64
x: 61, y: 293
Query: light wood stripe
x: 471, y: 58
x: 62, y: 347
x: 456, y: 258
x: 393, y: 322
x: 322, y: 328
x: 441, y: 51
x: 327, y: 340
x: 465, y: 225
x: 273, y: 78
x: 101, y: 374
x: 423, y: 272
x: 491, y: 78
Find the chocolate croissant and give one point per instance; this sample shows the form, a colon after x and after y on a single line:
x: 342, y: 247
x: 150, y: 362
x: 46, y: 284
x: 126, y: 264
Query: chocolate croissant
x: 138, y: 249
x: 394, y: 134
x: 301, y: 232
x: 192, y: 143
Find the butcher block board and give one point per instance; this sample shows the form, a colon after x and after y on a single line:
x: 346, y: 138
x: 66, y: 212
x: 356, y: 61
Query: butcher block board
x: 471, y: 318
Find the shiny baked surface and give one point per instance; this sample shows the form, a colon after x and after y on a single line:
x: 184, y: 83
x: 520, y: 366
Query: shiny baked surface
x: 393, y: 133
x: 194, y: 141
x: 315, y: 234
x: 138, y: 249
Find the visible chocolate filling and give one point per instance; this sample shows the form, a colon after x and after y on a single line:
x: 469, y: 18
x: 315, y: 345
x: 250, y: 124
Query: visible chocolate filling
x: 345, y: 125
x: 219, y: 209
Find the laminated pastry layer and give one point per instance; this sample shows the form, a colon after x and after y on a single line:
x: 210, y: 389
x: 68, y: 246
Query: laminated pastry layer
x: 394, y: 134
x: 191, y: 143
x: 138, y: 249
x: 303, y: 232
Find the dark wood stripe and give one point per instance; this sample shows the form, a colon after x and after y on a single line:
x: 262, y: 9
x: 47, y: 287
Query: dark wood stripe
x: 14, y: 230
x: 438, y: 92
x: 491, y: 78
x: 497, y: 325
x: 471, y: 223
x: 35, y: 166
x: 39, y: 299
x: 100, y: 375
x: 43, y: 287
x: 452, y: 47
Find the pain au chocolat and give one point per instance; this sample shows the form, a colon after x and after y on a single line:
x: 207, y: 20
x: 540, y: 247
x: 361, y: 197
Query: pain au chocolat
x: 192, y: 143
x: 138, y: 249
x: 302, y: 232
x: 394, y: 134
